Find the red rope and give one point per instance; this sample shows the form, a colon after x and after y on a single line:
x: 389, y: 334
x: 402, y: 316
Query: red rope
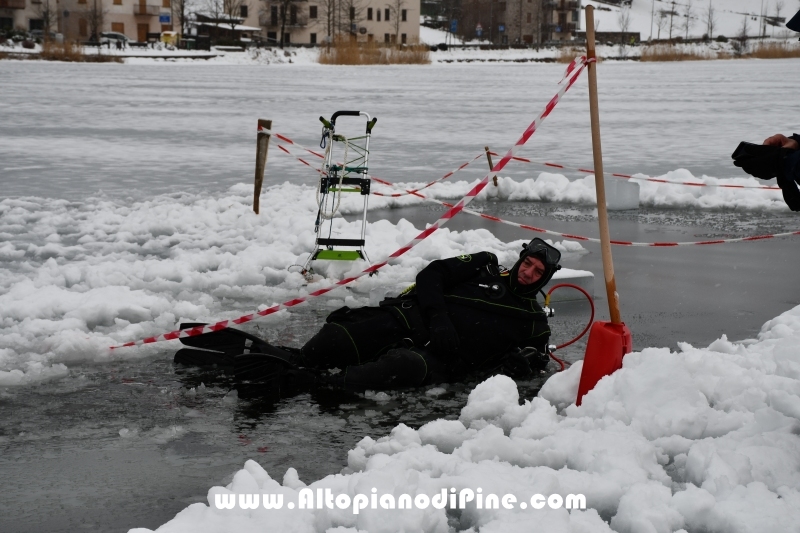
x: 582, y: 333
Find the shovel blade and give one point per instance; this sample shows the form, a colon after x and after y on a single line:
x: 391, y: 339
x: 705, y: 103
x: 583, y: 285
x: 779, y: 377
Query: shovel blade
x: 608, y: 343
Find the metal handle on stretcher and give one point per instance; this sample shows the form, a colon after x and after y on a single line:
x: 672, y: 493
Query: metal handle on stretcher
x: 331, y: 125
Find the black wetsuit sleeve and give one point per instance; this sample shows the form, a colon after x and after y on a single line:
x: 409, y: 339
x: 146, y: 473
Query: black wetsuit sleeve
x: 439, y: 276
x: 791, y: 178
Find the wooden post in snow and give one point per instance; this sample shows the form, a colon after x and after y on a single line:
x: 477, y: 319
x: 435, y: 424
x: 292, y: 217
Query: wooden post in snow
x: 262, y: 145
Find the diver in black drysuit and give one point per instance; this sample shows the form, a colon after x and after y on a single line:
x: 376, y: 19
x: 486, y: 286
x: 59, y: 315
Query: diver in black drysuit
x: 463, y: 314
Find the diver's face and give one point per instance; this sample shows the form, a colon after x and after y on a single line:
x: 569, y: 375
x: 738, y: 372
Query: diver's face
x: 530, y: 271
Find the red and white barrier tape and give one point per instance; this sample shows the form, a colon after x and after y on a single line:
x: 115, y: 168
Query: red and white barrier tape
x: 647, y: 178
x: 618, y: 243
x: 573, y: 70
x: 568, y: 235
x: 288, y: 151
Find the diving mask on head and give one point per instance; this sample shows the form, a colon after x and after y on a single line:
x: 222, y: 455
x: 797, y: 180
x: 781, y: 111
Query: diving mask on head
x: 547, y: 254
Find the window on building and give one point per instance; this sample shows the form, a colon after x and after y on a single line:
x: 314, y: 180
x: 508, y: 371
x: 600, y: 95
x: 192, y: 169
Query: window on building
x: 312, y: 12
x: 117, y: 2
x: 118, y: 27
x: 501, y: 7
x: 369, y: 13
x: 166, y: 3
x: 293, y: 14
x: 313, y: 38
x: 386, y: 15
x: 529, y: 17
x: 166, y: 27
x: 272, y: 37
x: 576, y: 16
x: 81, y: 1
x: 403, y: 38
x: 352, y: 13
x: 286, y: 38
x: 35, y: 24
x: 404, y: 15
x: 386, y: 38
x: 273, y: 15
x: 83, y: 28
x: 242, y: 11
x: 378, y: 14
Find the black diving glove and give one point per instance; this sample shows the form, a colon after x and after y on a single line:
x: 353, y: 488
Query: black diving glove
x: 759, y: 160
x: 444, y: 338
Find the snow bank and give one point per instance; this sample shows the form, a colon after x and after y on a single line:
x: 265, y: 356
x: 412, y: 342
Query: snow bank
x: 78, y: 277
x: 705, y: 439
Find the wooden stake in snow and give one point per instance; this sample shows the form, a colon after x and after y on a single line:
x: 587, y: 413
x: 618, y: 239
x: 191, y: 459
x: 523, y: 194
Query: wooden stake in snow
x: 262, y: 145
x: 491, y: 165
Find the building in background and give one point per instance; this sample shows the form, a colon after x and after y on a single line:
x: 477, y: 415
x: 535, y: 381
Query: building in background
x: 305, y: 22
x: 28, y: 15
x: 508, y: 22
x: 322, y: 21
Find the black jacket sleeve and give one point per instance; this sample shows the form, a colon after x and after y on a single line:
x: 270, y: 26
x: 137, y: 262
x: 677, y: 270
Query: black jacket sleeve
x: 791, y: 179
x: 434, y: 280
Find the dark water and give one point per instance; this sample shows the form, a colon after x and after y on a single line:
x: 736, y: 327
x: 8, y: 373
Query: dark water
x: 66, y: 467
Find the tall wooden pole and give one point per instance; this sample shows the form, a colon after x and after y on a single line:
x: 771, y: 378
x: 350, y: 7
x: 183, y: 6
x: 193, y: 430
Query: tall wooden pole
x: 262, y: 145
x: 602, y: 212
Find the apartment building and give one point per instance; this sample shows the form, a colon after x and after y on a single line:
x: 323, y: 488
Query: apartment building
x: 562, y: 19
x: 306, y: 21
x: 317, y: 22
x: 23, y: 15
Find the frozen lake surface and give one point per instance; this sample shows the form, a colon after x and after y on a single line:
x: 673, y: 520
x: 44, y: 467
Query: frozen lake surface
x: 121, y: 215
x: 69, y: 131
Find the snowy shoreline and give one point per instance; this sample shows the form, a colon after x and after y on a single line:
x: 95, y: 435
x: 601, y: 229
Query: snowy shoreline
x: 699, y: 439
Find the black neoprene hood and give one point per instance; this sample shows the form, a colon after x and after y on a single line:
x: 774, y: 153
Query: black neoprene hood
x: 549, y: 255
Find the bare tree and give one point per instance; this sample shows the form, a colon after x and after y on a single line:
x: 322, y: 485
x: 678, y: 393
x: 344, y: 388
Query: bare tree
x: 624, y: 21
x: 689, y: 18
x: 232, y: 9
x: 349, y: 14
x: 215, y: 11
x: 48, y: 12
x: 624, y: 18
x: 711, y: 20
x: 661, y: 22
x: 288, y: 14
x: 672, y: 14
x: 740, y: 43
x: 95, y: 17
x: 778, y: 9
x: 327, y: 17
x: 181, y: 14
x: 396, y: 11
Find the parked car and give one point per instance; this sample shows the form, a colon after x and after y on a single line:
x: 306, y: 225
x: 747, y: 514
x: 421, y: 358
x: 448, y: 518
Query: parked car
x: 111, y: 38
x: 39, y: 35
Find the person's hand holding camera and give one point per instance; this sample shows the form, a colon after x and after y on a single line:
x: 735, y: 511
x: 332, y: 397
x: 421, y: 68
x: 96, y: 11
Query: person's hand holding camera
x: 782, y: 141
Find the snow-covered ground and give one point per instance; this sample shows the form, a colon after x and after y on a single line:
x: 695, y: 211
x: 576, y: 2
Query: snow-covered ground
x: 729, y: 16
x: 703, y: 439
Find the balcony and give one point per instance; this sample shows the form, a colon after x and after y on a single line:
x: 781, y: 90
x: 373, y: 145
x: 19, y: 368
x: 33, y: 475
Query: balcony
x: 145, y: 10
x: 12, y: 4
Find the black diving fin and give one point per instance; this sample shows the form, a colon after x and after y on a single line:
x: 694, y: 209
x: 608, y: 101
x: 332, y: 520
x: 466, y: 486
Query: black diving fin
x: 217, y: 347
x: 251, y: 358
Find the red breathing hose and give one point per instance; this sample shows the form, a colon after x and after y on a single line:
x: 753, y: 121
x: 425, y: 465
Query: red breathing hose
x: 582, y: 333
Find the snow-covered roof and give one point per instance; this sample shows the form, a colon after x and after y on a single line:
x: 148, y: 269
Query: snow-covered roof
x: 237, y: 27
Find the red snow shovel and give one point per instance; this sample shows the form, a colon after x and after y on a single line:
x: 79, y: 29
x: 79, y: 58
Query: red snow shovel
x: 608, y: 341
